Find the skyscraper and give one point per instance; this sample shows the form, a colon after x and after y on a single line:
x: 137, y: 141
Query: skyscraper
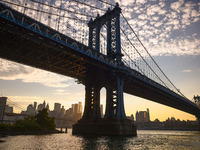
x: 80, y: 107
x: 2, y: 107
x: 57, y: 107
x: 35, y: 106
x: 76, y: 109
x: 30, y: 110
x: 142, y: 116
x: 63, y: 112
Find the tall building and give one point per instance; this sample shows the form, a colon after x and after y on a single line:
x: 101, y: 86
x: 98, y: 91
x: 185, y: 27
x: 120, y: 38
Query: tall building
x: 48, y: 107
x: 142, y: 116
x: 44, y: 104
x: 35, y: 106
x: 40, y: 107
x: 57, y: 107
x: 76, y: 108
x: 73, y: 108
x: 80, y: 107
x: 63, y: 112
x: 30, y: 110
x: 2, y: 107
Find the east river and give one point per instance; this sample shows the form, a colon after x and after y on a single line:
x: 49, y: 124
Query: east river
x: 146, y: 139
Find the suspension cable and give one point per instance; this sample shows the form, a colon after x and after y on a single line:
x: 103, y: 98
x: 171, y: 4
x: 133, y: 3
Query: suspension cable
x: 143, y: 58
x: 63, y: 9
x: 45, y: 11
x: 126, y: 55
x: 89, y: 5
x: 151, y: 56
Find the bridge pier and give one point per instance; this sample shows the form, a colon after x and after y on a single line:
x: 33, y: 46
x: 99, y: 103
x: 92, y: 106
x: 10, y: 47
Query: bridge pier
x: 115, y: 121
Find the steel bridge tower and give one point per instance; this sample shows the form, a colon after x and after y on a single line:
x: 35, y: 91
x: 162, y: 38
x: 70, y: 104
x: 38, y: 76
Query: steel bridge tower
x: 114, y: 122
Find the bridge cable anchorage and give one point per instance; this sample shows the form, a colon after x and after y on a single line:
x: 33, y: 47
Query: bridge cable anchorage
x: 86, y: 21
x: 151, y: 56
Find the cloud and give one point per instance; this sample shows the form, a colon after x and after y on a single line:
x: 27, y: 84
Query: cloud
x: 176, y: 5
x: 187, y: 70
x: 13, y: 71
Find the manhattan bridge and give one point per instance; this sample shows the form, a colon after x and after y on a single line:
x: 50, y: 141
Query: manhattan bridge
x: 93, y: 42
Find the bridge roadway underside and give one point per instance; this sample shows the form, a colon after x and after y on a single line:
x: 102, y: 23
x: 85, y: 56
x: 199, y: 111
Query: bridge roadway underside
x: 27, y: 47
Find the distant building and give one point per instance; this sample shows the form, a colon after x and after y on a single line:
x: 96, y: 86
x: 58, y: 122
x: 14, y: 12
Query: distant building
x: 8, y: 109
x: 44, y: 104
x: 80, y: 107
x: 142, y: 116
x: 63, y: 112
x: 2, y: 107
x: 131, y: 118
x: 73, y: 108
x: 40, y: 107
x: 30, y: 110
x: 35, y: 106
x: 47, y: 107
x: 57, y: 107
x: 13, y: 117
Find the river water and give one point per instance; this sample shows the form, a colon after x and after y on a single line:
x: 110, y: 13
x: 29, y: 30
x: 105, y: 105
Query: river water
x: 146, y: 139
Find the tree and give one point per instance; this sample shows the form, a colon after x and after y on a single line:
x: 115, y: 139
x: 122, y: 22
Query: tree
x: 44, y: 120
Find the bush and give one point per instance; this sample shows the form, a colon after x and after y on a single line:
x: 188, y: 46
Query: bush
x: 35, y: 123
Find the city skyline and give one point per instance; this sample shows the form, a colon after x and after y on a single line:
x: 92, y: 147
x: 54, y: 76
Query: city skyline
x: 169, y: 30
x: 52, y: 108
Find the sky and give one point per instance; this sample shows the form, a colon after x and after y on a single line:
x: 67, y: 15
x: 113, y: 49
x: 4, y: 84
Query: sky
x: 169, y: 29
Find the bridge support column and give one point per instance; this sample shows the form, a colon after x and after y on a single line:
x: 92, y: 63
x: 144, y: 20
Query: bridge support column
x: 92, y: 102
x: 120, y: 97
x: 115, y: 121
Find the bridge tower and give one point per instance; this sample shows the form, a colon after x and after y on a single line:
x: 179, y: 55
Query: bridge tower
x: 114, y: 122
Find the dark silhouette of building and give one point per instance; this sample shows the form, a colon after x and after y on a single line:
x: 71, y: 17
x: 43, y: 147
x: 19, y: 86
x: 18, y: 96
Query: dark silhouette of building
x: 142, y: 116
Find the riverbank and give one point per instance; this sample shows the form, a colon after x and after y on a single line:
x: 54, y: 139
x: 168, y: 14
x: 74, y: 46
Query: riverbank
x: 170, y: 129
x: 28, y: 132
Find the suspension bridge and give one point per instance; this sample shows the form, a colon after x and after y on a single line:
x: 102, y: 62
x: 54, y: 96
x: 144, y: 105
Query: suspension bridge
x: 69, y: 38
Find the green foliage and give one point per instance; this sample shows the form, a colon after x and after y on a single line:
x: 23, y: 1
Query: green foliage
x: 34, y: 123
x: 44, y: 120
x: 4, y: 127
x: 29, y: 123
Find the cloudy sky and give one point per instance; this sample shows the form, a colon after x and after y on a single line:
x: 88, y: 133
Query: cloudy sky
x: 169, y: 29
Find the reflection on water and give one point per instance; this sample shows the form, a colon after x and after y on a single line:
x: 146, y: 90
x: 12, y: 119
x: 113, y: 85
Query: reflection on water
x: 169, y: 140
